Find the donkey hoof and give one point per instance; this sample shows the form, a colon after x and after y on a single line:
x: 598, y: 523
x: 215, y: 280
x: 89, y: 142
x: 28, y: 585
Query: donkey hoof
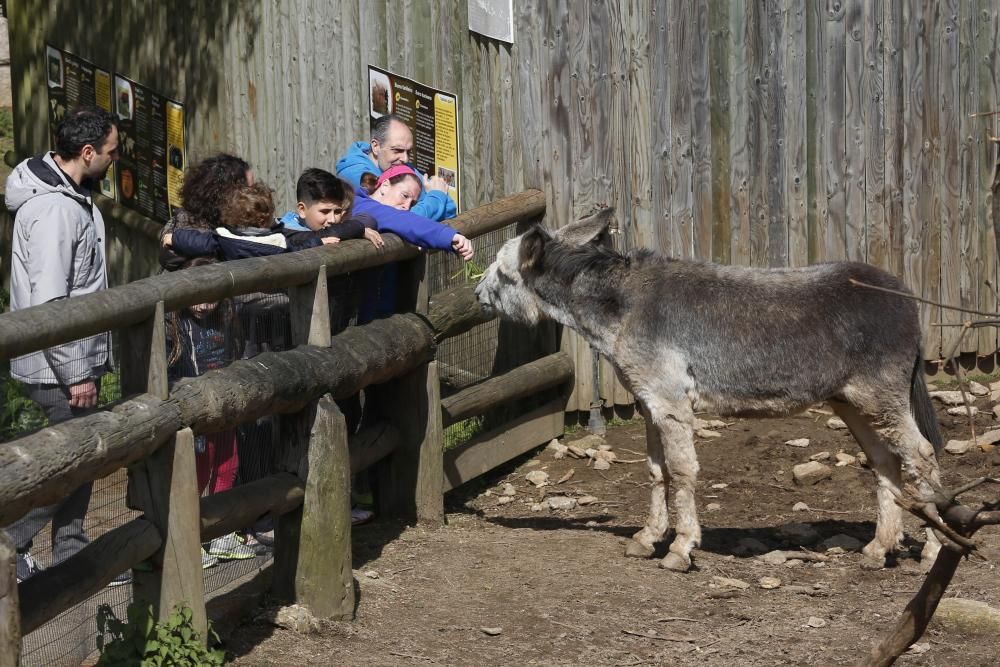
x: 638, y: 550
x: 869, y: 562
x: 675, y: 563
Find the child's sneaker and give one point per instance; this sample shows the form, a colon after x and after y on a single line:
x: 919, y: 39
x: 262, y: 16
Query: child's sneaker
x: 229, y: 547
x: 208, y: 560
x: 26, y: 566
x: 360, y: 516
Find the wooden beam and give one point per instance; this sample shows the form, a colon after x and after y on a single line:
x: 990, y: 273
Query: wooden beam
x: 547, y: 372
x: 175, y: 576
x: 489, y: 450
x: 10, y: 611
x: 58, y: 322
x: 57, y: 588
x: 372, y: 444
x: 241, y: 506
x: 409, y: 481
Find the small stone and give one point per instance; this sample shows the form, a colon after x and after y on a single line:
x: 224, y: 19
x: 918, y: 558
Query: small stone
x: 561, y: 503
x: 996, y: 411
x: 836, y: 551
x: 601, y: 464
x: 768, y: 583
x: 843, y: 542
x: 558, y: 449
x: 707, y: 434
x: 995, y: 386
x: 994, y: 395
x: 948, y: 397
x: 750, y: 546
x: 807, y: 474
x: 720, y: 485
x: 845, y: 459
x: 606, y: 455
x: 586, y: 500
x: 589, y: 442
x: 959, y: 446
x: 799, y: 534
x: 816, y: 622
x: 798, y: 442
x: 538, y: 477
x: 508, y: 490
x: 713, y: 507
x: 536, y: 507
x: 800, y: 507
x: 977, y: 389
x: 820, y: 456
x: 918, y: 649
x: 967, y: 616
x: 591, y: 524
x: 774, y: 558
x: 604, y: 448
x: 960, y: 411
x: 532, y: 463
x: 371, y: 574
x: 492, y: 632
x: 295, y: 618
x: 863, y: 459
x: 576, y: 452
x: 590, y: 452
x: 504, y: 500
x: 836, y: 423
x: 726, y: 582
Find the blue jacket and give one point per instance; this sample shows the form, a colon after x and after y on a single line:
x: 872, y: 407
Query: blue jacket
x: 435, y: 204
x: 407, y: 225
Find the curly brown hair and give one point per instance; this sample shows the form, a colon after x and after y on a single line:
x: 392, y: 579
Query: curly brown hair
x: 248, y: 206
x: 208, y: 183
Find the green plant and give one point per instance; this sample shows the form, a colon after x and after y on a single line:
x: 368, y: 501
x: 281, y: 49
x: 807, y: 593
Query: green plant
x: 6, y: 122
x: 18, y: 413
x: 142, y: 642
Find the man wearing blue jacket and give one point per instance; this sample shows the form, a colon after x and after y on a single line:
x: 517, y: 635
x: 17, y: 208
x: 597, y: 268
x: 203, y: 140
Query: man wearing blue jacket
x: 391, y: 144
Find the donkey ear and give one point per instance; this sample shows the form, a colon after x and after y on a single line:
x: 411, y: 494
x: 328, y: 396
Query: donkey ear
x: 532, y: 251
x: 594, y: 229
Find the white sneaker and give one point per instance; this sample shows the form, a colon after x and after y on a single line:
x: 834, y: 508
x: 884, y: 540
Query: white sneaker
x: 208, y: 560
x: 360, y: 516
x: 229, y: 547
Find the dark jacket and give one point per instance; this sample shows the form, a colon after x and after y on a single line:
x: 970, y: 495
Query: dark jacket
x: 243, y: 242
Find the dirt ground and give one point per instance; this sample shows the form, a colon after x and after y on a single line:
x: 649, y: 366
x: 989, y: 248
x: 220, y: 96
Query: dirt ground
x: 559, y: 590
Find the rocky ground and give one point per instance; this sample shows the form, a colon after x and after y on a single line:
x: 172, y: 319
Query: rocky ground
x: 530, y: 570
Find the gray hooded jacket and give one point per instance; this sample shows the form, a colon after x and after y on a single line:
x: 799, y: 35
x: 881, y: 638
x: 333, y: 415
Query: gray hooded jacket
x: 57, y: 253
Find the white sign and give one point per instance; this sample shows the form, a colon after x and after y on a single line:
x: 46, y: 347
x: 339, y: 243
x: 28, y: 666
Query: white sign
x: 492, y: 18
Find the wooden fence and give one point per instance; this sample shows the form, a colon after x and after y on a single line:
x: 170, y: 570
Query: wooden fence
x: 152, y: 430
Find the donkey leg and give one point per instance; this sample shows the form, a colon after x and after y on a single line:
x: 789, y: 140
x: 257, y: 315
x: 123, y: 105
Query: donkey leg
x: 675, y: 422
x: 889, y: 523
x: 657, y: 522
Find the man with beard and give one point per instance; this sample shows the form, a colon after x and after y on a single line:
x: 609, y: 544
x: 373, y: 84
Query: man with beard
x: 58, y: 253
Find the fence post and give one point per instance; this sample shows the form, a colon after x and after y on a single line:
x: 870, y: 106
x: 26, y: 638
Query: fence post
x: 10, y: 611
x: 411, y: 480
x: 312, y: 550
x: 165, y: 486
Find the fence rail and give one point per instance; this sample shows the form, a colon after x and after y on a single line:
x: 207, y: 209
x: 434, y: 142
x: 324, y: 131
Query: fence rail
x: 152, y: 430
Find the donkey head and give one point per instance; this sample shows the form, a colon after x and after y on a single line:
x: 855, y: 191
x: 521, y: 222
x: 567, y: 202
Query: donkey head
x: 508, y: 287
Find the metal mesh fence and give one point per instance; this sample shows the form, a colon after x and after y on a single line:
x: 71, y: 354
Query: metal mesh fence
x: 211, y: 336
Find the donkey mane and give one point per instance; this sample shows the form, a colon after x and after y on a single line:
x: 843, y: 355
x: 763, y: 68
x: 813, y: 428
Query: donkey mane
x: 564, y: 261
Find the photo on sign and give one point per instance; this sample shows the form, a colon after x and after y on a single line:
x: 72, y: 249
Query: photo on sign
x: 128, y: 184
x: 381, y: 98
x: 54, y: 67
x: 123, y: 98
x: 447, y: 175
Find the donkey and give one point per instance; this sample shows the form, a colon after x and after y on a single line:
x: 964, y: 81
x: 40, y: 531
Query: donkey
x: 688, y: 336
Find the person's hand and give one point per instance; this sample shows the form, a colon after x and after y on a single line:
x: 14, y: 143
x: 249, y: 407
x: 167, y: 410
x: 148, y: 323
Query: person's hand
x: 374, y: 237
x: 167, y: 240
x: 83, y: 394
x: 462, y: 246
x: 330, y: 240
x: 435, y: 183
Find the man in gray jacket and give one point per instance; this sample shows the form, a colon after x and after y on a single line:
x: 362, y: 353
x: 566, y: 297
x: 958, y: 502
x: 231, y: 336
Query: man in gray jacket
x: 58, y: 253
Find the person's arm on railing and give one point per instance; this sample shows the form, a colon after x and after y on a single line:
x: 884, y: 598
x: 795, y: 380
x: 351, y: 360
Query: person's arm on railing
x: 191, y: 242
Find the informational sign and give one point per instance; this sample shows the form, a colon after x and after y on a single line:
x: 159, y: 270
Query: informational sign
x: 149, y: 175
x: 72, y: 82
x: 151, y: 139
x: 492, y: 18
x: 432, y: 116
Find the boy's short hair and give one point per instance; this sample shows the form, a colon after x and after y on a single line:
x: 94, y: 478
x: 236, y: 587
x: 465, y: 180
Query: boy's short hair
x: 248, y: 206
x: 316, y: 185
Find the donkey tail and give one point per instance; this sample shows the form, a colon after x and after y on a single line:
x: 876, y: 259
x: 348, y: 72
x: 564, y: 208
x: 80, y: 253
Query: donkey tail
x: 922, y: 407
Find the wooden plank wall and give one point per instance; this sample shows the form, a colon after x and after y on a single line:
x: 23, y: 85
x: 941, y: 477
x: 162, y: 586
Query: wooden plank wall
x: 764, y: 133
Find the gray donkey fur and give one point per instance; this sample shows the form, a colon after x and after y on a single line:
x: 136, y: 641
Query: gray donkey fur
x: 690, y: 336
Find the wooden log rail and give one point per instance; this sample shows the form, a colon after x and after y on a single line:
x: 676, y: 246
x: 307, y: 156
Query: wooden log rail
x: 58, y: 322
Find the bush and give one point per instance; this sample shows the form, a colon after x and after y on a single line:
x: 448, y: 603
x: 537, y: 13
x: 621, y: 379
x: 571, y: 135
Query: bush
x: 142, y: 642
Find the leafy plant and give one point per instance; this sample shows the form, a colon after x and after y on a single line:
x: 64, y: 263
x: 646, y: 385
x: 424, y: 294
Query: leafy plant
x: 18, y: 413
x: 142, y: 642
x: 472, y: 271
x: 6, y: 122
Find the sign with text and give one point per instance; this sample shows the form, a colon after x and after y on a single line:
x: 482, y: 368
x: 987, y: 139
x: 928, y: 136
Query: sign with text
x: 149, y: 175
x: 432, y: 116
x: 72, y: 82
